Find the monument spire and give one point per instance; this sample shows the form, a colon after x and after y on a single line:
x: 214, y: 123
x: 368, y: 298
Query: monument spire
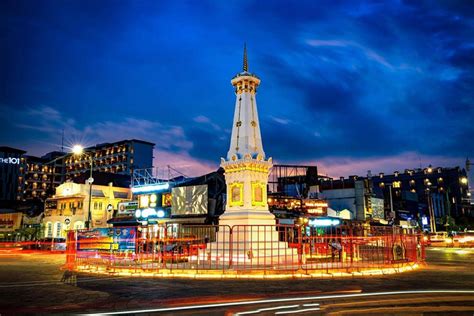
x: 246, y: 139
x: 246, y: 65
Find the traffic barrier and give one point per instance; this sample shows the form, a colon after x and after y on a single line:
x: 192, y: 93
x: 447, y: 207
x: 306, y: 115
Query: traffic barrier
x: 242, y: 249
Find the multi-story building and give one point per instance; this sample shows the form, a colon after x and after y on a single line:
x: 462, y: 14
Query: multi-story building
x: 69, y: 207
x: 429, y: 192
x: 121, y: 157
x: 42, y: 175
x: 12, y: 167
x: 25, y: 178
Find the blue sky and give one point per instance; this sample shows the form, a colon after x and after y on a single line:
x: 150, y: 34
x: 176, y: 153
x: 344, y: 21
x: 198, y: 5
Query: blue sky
x: 347, y: 85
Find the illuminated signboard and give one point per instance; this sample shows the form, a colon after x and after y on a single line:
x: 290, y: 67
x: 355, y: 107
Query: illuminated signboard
x: 151, y: 188
x: 324, y: 222
x: 315, y: 207
x: 127, y: 208
x: 166, y: 200
x: 10, y: 160
x: 189, y: 200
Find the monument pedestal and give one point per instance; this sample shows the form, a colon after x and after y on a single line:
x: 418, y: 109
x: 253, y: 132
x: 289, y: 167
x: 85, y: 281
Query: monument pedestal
x: 253, y: 241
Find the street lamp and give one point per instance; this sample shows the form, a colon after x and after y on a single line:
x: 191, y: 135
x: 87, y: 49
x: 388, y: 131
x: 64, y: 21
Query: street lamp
x: 79, y: 150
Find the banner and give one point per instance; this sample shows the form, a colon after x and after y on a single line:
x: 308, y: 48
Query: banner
x: 119, y: 239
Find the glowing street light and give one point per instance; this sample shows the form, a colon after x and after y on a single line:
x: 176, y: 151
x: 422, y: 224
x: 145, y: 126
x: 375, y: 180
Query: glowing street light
x: 79, y: 150
x: 463, y: 180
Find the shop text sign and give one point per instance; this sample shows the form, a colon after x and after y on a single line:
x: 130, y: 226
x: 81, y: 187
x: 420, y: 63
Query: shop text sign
x: 10, y: 160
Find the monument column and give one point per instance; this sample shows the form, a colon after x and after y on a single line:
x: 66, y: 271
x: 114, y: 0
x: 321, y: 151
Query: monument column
x: 246, y: 167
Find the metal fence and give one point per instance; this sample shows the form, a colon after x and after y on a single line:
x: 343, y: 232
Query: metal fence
x: 242, y: 249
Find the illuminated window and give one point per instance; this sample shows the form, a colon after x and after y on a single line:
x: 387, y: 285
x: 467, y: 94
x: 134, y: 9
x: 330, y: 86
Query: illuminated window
x: 397, y: 184
x: 381, y: 185
x: 412, y: 182
x: 440, y: 180
x: 144, y: 201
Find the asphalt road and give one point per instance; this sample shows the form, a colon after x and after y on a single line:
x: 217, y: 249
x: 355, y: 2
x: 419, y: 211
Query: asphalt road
x: 33, y: 283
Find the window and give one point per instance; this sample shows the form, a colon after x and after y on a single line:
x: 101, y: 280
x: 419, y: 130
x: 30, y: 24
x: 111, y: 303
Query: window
x: 397, y: 184
x: 49, y: 229
x: 58, y: 229
x: 78, y: 225
x: 95, y: 205
x: 381, y: 185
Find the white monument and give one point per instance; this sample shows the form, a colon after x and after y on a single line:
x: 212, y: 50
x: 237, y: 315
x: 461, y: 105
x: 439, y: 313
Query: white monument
x: 246, y: 175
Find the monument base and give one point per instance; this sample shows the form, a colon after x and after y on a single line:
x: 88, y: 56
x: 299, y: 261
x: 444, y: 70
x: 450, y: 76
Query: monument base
x: 252, y: 240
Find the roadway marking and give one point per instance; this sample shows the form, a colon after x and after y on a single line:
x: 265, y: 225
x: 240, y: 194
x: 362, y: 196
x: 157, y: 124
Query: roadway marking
x: 280, y: 300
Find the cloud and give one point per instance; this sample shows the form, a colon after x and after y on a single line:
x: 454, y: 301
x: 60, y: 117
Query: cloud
x: 205, y: 120
x: 369, y: 53
x: 280, y: 120
x: 182, y: 162
x: 201, y: 119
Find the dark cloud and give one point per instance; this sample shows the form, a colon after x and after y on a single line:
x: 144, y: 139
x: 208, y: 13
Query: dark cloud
x: 353, y: 79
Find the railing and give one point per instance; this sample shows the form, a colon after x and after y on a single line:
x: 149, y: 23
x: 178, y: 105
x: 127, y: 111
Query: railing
x: 264, y: 249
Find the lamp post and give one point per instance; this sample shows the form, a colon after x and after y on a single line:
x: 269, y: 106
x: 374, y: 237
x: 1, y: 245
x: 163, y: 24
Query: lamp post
x: 79, y: 150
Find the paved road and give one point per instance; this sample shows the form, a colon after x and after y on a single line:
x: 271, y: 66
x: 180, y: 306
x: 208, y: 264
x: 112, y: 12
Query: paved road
x: 34, y: 283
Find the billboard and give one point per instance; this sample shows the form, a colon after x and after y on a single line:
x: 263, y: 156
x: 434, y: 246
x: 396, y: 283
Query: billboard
x: 377, y: 208
x: 10, y: 221
x: 95, y: 239
x: 127, y: 208
x: 191, y: 200
x: 118, y: 239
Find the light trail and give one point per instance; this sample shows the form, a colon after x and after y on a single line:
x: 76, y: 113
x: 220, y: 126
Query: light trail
x: 266, y: 309
x: 298, y: 311
x: 37, y: 283
x: 281, y: 300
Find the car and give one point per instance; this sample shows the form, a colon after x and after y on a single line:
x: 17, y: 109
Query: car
x: 438, y: 237
x: 55, y: 244
x: 464, y: 237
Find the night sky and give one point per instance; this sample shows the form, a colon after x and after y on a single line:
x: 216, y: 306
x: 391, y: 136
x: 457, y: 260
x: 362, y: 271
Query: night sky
x: 349, y: 86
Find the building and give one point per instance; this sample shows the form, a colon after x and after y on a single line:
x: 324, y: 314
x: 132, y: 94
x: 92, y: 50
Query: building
x: 27, y: 181
x: 424, y: 193
x: 69, y: 207
x: 10, y: 223
x: 120, y: 157
x: 354, y: 195
x: 292, y: 180
x: 12, y: 167
x: 42, y: 175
